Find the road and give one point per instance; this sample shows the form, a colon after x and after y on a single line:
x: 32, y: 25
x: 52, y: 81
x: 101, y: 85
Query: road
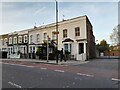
x: 95, y: 74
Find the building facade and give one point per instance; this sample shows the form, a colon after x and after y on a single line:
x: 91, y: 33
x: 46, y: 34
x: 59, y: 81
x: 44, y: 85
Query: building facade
x: 75, y: 36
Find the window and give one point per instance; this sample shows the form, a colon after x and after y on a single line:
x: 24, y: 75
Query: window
x: 10, y: 40
x: 81, y: 48
x: 38, y: 37
x: 20, y: 39
x: 77, y: 31
x: 15, y: 40
x: 31, y: 37
x: 25, y: 39
x: 45, y: 36
x: 53, y: 36
x: 65, y: 33
x: 67, y: 47
x: 5, y: 41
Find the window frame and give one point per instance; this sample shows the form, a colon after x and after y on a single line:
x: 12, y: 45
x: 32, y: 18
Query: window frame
x: 53, y: 36
x: 65, y: 33
x: 77, y: 31
x: 25, y: 38
x: 45, y: 36
x: 20, y: 39
x: 31, y: 38
x: 15, y: 40
x: 38, y: 37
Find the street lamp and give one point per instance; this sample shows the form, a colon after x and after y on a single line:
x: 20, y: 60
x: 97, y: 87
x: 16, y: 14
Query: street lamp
x: 7, y: 49
x: 48, y: 40
x: 57, y: 30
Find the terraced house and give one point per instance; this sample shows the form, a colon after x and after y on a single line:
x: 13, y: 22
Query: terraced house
x: 75, y: 36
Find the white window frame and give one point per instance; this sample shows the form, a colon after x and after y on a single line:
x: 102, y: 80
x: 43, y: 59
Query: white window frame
x: 15, y: 40
x: 31, y: 38
x: 5, y: 41
x: 10, y: 40
x: 25, y: 39
x: 20, y: 40
x: 38, y: 37
x: 45, y: 36
x: 53, y: 36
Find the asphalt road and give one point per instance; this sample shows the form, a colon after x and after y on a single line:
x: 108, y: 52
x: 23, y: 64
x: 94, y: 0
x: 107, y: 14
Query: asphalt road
x: 23, y: 76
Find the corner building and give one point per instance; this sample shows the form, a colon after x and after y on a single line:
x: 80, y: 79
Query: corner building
x: 75, y: 36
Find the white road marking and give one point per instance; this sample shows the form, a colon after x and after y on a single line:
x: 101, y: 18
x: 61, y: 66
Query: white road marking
x: 115, y: 79
x: 19, y: 65
x: 59, y: 70
x: 85, y: 75
x: 43, y: 68
x: 30, y: 66
x: 77, y: 78
x: 11, y: 83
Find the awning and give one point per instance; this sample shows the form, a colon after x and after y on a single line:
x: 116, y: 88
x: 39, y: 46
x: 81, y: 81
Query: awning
x: 68, y: 40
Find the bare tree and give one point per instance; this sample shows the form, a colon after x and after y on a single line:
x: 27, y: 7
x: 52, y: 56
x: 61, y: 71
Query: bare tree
x: 115, y: 36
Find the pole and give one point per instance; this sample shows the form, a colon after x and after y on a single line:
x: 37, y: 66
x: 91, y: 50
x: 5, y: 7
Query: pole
x: 57, y: 30
x: 47, y: 49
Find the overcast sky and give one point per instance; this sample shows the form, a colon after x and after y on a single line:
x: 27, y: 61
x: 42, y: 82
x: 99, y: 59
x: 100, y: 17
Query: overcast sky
x: 18, y: 16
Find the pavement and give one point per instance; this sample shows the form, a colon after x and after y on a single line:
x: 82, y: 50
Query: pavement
x: 68, y: 62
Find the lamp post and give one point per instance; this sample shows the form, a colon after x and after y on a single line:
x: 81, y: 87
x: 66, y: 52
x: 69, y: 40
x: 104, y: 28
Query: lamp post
x: 57, y: 30
x: 48, y: 41
x: 7, y: 49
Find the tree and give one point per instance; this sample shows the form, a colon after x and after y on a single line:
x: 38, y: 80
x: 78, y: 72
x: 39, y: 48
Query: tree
x: 115, y: 36
x: 103, y: 46
x: 38, y: 52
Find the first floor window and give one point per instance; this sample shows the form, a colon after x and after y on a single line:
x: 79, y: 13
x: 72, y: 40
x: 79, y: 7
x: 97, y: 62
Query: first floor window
x: 53, y: 36
x: 38, y: 37
x: 64, y: 33
x: 45, y: 36
x: 25, y: 39
x: 31, y: 38
x: 77, y: 31
x: 20, y: 39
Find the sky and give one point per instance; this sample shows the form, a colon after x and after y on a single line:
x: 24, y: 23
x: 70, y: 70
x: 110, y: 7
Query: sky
x: 23, y: 15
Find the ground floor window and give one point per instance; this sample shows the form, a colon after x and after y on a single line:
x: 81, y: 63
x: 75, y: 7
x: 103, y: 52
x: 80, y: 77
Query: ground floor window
x: 81, y: 48
x: 67, y: 47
